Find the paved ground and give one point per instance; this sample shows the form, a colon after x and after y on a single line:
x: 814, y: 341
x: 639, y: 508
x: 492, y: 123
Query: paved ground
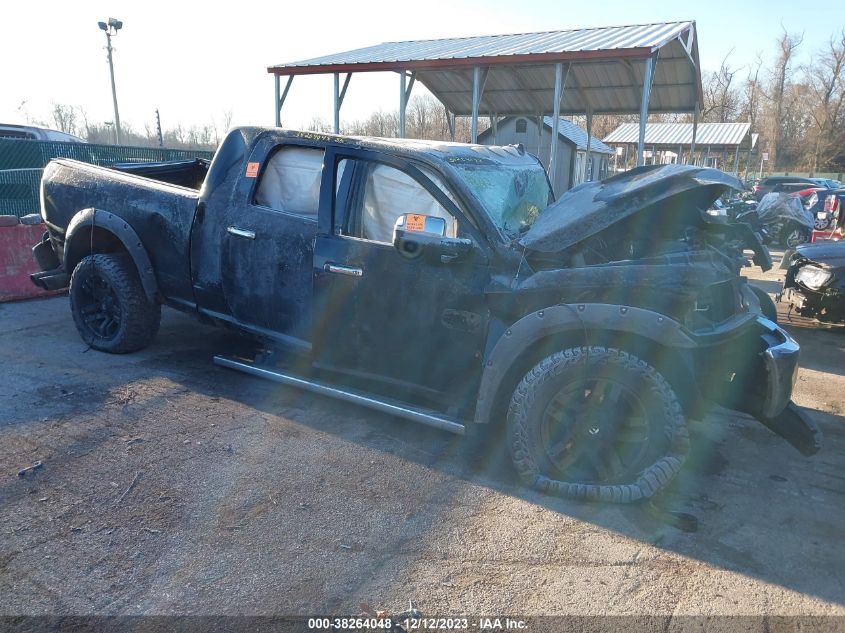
x: 171, y: 486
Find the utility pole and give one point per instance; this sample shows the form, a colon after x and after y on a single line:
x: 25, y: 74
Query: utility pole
x: 111, y: 28
x: 158, y: 129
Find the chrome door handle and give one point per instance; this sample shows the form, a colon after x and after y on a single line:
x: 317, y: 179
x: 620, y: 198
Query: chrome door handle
x: 233, y: 230
x: 352, y: 271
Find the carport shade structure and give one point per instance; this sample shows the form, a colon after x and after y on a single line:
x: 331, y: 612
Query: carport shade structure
x: 609, y: 70
x: 683, y: 137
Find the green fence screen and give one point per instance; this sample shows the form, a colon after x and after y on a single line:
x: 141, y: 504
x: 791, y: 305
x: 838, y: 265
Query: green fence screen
x: 22, y: 162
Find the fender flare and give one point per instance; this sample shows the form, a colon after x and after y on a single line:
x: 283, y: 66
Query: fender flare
x: 581, y: 317
x: 118, y: 227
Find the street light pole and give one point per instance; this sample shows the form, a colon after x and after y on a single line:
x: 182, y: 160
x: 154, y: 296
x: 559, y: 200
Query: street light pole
x: 111, y: 28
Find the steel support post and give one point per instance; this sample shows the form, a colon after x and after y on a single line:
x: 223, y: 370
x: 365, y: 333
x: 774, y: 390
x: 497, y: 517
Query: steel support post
x: 479, y: 77
x: 649, y: 76
x: 280, y: 100
x: 450, y: 122
x: 336, y: 108
x: 277, y: 81
x: 559, y: 88
x: 696, y: 113
x: 402, y: 102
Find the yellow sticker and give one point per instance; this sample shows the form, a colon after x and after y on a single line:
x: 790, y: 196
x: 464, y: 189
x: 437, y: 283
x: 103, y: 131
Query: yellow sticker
x: 252, y: 170
x: 415, y: 222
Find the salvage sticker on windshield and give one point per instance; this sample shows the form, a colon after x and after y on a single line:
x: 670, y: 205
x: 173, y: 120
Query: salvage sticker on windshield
x: 252, y: 170
x: 415, y: 222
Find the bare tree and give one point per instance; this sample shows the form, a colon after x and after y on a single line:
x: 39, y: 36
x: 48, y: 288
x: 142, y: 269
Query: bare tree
x: 779, y: 80
x: 721, y: 101
x: 64, y: 118
x: 319, y: 124
x: 826, y: 83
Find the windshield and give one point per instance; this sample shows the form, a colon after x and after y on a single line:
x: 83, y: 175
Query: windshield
x: 512, y: 195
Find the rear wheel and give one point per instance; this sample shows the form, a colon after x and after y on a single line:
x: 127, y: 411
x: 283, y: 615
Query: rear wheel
x: 109, y: 306
x: 596, y: 423
x: 821, y: 224
x: 794, y: 235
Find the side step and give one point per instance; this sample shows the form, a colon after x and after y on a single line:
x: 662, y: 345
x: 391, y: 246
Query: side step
x: 422, y: 416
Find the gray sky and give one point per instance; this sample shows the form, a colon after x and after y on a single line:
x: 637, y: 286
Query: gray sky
x: 193, y: 61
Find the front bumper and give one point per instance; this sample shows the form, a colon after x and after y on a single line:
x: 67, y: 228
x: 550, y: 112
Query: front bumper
x: 780, y: 361
x: 777, y: 411
x: 761, y: 365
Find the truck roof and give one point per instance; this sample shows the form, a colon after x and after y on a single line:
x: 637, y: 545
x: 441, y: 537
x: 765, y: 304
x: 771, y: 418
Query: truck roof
x: 439, y: 150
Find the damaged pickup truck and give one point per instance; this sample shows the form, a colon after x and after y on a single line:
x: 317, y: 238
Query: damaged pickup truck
x: 442, y: 283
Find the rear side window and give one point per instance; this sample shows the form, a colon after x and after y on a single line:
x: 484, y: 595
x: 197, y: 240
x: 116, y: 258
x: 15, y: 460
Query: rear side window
x: 290, y: 181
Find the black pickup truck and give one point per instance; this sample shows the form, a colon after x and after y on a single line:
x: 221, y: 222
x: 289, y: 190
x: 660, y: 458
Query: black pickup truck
x: 442, y: 283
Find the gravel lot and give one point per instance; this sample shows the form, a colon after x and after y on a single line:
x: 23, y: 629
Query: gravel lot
x: 171, y: 486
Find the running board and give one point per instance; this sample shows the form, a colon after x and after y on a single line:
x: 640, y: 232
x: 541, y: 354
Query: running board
x: 422, y: 416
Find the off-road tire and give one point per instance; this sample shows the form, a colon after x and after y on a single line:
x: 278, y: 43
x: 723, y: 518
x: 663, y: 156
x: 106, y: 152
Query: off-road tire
x: 667, y: 443
x: 139, y: 318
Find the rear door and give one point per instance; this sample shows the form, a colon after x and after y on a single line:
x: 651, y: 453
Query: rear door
x: 390, y: 321
x: 269, y: 242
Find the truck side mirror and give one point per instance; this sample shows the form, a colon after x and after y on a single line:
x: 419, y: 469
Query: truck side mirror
x: 415, y: 235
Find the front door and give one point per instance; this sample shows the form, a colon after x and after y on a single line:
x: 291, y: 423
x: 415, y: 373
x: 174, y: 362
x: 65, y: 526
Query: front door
x: 269, y: 244
x: 385, y: 319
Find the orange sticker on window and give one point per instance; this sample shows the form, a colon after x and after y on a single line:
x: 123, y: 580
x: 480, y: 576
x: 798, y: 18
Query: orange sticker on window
x: 414, y: 222
x: 252, y: 170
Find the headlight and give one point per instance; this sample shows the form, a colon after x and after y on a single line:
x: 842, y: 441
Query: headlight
x: 812, y: 277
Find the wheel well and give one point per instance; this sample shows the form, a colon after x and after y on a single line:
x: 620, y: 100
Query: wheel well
x: 668, y: 361
x: 88, y: 241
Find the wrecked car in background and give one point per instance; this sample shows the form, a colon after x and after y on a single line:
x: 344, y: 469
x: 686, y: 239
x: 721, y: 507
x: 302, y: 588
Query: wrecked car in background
x: 815, y: 282
x: 440, y: 282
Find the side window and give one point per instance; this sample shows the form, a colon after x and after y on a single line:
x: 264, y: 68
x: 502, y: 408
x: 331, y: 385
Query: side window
x: 387, y: 194
x: 290, y: 181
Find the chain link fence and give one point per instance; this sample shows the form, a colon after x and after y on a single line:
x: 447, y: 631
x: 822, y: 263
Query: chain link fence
x: 22, y: 163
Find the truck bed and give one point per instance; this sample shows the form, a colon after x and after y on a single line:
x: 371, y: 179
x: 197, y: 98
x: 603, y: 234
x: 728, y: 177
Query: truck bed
x: 160, y: 212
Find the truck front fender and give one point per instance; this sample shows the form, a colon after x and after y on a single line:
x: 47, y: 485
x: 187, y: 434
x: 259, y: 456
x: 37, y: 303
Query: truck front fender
x: 78, y: 244
x: 580, y: 320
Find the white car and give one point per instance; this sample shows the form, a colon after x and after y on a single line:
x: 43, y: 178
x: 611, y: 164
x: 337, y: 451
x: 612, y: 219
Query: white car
x: 35, y: 133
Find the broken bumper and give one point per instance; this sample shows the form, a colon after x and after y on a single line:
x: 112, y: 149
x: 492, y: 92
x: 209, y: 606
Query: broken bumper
x: 777, y: 411
x: 760, y: 366
x: 780, y: 361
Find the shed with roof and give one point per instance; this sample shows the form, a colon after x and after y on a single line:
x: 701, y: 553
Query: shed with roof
x: 536, y: 134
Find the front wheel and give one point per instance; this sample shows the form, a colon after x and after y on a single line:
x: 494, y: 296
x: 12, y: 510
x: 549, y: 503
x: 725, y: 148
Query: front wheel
x: 596, y: 423
x: 109, y: 306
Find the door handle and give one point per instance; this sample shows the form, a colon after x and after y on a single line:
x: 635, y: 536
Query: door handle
x: 352, y: 271
x: 233, y: 230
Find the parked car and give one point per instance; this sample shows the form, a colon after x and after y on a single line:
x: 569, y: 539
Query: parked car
x: 442, y: 283
x: 828, y: 182
x: 821, y: 205
x: 779, y: 218
x: 36, y: 133
x: 767, y: 185
x: 815, y: 281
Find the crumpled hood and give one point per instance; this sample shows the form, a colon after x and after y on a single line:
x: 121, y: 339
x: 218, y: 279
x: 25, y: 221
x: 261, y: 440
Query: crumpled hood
x: 653, y: 190
x: 831, y: 254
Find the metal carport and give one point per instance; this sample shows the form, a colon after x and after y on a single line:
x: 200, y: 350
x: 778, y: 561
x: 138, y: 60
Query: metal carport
x: 726, y: 138
x: 608, y: 70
